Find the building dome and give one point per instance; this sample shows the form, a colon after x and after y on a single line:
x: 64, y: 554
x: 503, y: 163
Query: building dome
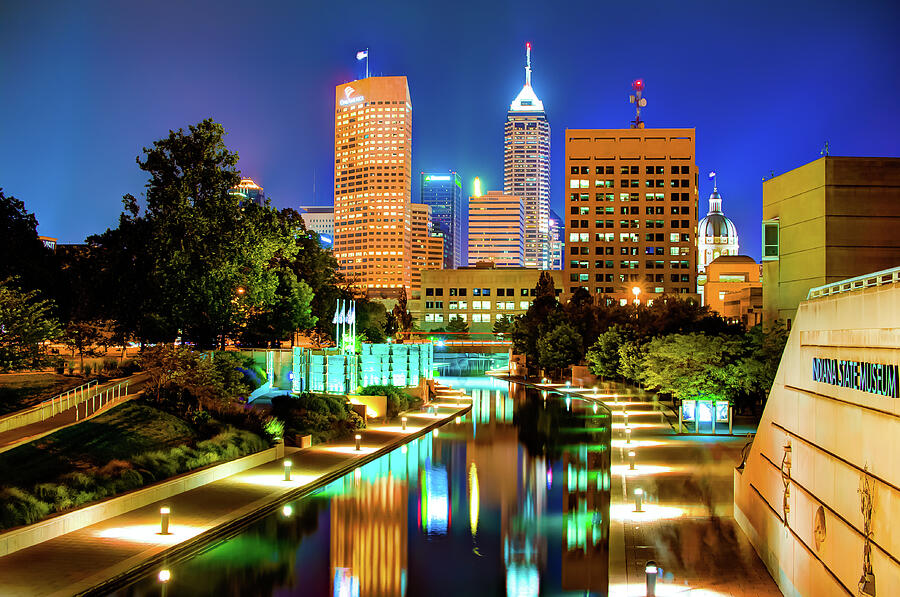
x: 716, y: 234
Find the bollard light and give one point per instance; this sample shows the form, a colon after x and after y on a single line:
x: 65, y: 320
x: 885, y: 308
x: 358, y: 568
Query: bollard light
x: 595, y: 408
x: 631, y: 460
x: 403, y: 449
x: 358, y: 440
x: 638, y: 499
x: 625, y: 412
x: 164, y: 520
x: 287, y: 470
x: 628, y: 435
x: 164, y: 575
x: 403, y: 423
x: 568, y: 384
x: 651, y: 571
x: 287, y: 510
x: 458, y: 420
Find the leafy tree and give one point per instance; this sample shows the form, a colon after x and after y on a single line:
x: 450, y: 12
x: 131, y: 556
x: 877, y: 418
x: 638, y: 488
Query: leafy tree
x: 372, y: 320
x: 289, y: 313
x: 581, y: 314
x: 531, y: 326
x: 691, y: 365
x: 504, y: 325
x: 25, y: 256
x: 82, y: 338
x: 559, y: 348
x: 402, y: 315
x: 603, y: 355
x: 458, y: 327
x: 26, y: 324
x: 631, y: 356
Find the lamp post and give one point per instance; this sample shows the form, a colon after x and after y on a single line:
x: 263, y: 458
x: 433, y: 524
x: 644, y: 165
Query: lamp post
x: 358, y: 440
x: 631, y: 460
x: 287, y: 470
x: 403, y: 423
x: 628, y: 435
x: 651, y: 571
x: 164, y: 520
x: 636, y: 291
x: 638, y: 499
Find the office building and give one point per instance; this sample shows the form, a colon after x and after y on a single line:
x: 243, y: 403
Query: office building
x: 526, y: 167
x: 557, y: 236
x: 372, y: 177
x: 831, y: 219
x: 631, y: 212
x: 443, y: 192
x: 249, y: 192
x: 479, y: 295
x: 728, y: 275
x: 427, y: 251
x: 497, y: 229
x: 320, y: 219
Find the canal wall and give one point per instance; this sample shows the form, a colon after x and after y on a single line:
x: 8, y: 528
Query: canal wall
x: 820, y: 487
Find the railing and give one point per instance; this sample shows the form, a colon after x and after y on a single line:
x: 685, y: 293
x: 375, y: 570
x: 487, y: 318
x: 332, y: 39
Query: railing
x: 90, y: 394
x: 887, y: 276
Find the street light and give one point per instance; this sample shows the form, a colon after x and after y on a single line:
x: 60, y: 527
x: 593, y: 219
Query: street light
x: 636, y: 291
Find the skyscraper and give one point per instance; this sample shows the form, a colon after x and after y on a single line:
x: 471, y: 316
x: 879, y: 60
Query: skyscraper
x: 427, y: 250
x: 526, y: 167
x: 449, y: 213
x: 372, y: 178
x: 497, y: 229
x: 631, y: 212
x: 557, y: 234
x: 248, y: 190
x: 320, y: 219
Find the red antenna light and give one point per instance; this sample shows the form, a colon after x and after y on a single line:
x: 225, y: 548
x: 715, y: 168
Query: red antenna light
x: 638, y: 84
x: 528, y: 45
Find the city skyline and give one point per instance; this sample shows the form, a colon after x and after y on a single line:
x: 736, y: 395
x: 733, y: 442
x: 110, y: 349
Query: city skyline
x: 75, y: 89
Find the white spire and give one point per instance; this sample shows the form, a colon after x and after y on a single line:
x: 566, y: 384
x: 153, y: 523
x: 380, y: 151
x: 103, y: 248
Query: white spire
x: 527, y: 101
x: 528, y: 64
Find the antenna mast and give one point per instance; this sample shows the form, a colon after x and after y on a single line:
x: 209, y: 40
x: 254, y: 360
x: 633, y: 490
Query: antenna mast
x: 639, y: 102
x: 528, y: 63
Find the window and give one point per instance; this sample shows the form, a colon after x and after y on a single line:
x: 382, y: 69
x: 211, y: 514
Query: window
x: 462, y: 292
x: 524, y: 305
x: 476, y: 292
x: 452, y: 293
x: 770, y: 240
x: 463, y: 305
x: 429, y: 292
x: 485, y: 292
x: 524, y: 292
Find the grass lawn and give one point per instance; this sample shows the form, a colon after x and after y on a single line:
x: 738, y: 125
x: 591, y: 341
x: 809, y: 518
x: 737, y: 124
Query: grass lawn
x: 21, y: 390
x: 125, y: 431
x: 130, y: 446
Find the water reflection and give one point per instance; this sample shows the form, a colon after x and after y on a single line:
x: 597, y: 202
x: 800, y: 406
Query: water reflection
x: 512, y: 500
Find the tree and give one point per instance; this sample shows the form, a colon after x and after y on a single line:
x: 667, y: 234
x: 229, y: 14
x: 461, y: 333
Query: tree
x: 290, y: 312
x: 692, y: 365
x: 531, y: 326
x: 631, y: 356
x: 458, y: 328
x: 24, y: 255
x: 504, y: 325
x: 371, y: 320
x: 560, y: 348
x: 581, y: 314
x: 26, y: 324
x: 82, y: 337
x: 402, y: 315
x: 603, y: 355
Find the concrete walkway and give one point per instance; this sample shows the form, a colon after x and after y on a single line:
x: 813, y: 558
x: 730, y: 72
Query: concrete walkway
x: 687, y: 524
x: 83, y: 559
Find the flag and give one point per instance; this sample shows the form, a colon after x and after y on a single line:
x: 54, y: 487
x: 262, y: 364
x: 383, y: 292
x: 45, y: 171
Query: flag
x: 712, y: 175
x: 346, y: 316
x: 337, y: 313
x: 362, y: 54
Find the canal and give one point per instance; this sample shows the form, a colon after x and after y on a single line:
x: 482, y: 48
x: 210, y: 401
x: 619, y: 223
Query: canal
x: 511, y: 499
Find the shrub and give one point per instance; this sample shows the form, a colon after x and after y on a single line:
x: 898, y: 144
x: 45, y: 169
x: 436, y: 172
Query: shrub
x: 397, y: 400
x: 18, y: 507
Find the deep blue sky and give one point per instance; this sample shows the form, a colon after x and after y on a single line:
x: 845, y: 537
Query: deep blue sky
x: 87, y: 84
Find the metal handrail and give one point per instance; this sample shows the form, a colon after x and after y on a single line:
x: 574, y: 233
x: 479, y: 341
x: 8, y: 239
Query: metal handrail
x: 880, y: 278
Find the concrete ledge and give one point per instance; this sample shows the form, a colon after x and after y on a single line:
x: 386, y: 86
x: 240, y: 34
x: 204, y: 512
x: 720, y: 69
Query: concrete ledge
x: 27, y: 536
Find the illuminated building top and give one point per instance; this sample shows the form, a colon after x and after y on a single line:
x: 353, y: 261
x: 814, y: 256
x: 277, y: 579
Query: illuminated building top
x: 527, y: 100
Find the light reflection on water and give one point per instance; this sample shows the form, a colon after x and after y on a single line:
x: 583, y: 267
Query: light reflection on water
x: 512, y: 500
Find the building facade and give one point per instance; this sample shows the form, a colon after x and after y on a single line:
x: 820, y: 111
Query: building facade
x: 497, y: 229
x: 716, y: 234
x: 372, y: 178
x: 427, y: 250
x: 727, y: 275
x: 526, y: 167
x: 557, y: 241
x: 479, y: 295
x: 829, y: 220
x: 744, y: 306
x: 249, y: 192
x: 443, y: 192
x: 817, y: 494
x: 320, y: 219
x: 631, y: 212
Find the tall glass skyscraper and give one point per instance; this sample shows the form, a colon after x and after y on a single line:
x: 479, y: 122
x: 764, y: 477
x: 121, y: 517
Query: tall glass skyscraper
x: 443, y: 192
x: 526, y: 167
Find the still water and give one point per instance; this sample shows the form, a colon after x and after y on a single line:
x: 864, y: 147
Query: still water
x: 512, y: 500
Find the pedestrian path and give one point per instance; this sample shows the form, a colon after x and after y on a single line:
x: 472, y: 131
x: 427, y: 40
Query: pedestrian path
x: 686, y: 524
x: 82, y: 559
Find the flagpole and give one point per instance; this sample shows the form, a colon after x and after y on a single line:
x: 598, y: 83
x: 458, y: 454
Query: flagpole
x: 367, y: 63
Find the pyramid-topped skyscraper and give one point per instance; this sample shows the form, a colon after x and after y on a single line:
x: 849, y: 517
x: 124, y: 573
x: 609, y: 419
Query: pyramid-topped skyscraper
x: 526, y: 167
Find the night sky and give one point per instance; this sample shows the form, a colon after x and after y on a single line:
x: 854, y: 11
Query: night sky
x: 87, y: 84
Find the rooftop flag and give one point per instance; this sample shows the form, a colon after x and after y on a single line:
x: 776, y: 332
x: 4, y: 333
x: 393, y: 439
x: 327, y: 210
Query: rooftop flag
x: 712, y: 175
x: 362, y: 54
